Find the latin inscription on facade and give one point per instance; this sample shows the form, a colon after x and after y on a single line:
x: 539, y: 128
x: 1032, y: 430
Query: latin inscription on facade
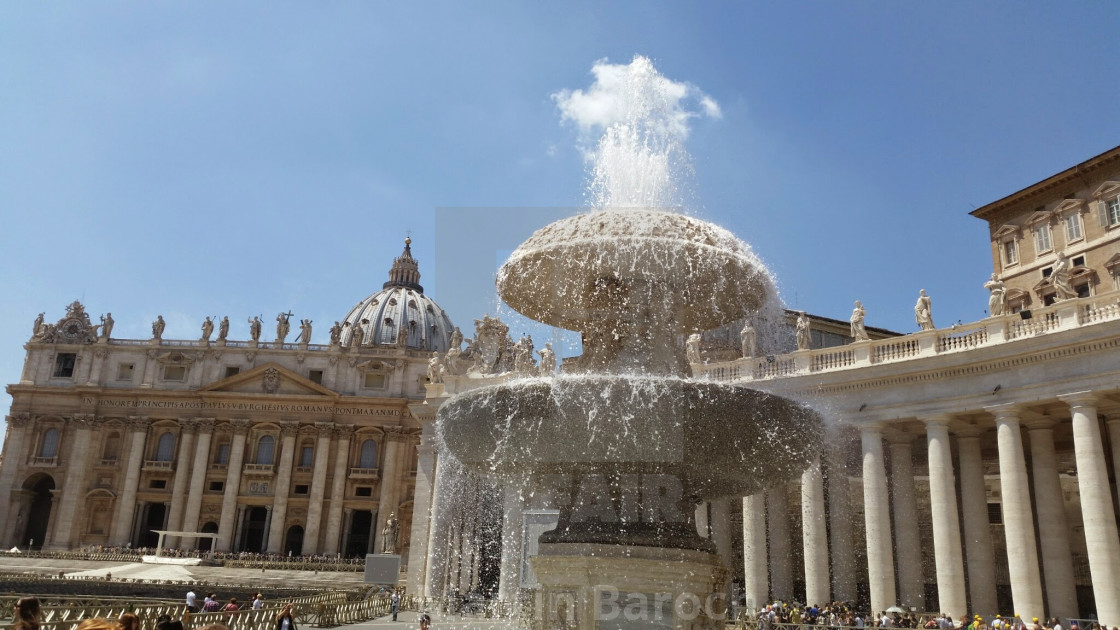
x: 238, y: 406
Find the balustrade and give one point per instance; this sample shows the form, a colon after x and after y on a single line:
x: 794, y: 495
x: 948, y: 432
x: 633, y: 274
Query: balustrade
x: 831, y: 359
x: 893, y: 350
x: 962, y: 339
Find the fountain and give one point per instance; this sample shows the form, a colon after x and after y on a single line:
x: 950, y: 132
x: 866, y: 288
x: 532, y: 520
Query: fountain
x: 630, y: 442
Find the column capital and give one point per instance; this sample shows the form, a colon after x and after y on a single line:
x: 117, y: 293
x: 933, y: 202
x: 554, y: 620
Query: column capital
x: 969, y: 430
x: 85, y: 420
x: 289, y: 429
x: 1039, y: 423
x: 19, y: 420
x: 871, y: 429
x: 205, y: 425
x: 942, y: 420
x: 395, y: 434
x: 324, y: 429
x: 189, y: 425
x: 240, y: 426
x: 139, y: 423
x: 1080, y: 399
x: 344, y: 431
x: 1008, y: 411
x: 896, y: 437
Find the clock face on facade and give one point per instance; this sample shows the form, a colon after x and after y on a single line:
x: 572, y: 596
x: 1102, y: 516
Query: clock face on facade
x: 73, y: 329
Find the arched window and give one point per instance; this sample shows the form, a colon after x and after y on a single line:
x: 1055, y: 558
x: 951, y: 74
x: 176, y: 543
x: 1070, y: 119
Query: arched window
x: 165, y: 449
x: 49, y: 447
x: 368, y: 458
x: 265, y: 447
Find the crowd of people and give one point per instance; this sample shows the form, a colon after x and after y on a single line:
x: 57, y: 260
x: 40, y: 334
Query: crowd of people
x: 244, y: 556
x: 28, y: 614
x: 838, y: 615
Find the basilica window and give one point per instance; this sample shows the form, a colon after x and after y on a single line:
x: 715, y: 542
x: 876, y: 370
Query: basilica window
x: 368, y: 456
x: 49, y: 446
x: 64, y: 364
x: 124, y: 371
x: 174, y: 372
x: 315, y: 376
x: 373, y: 380
x: 265, y: 447
x: 306, y: 456
x: 112, y: 447
x: 165, y: 448
x: 222, y: 454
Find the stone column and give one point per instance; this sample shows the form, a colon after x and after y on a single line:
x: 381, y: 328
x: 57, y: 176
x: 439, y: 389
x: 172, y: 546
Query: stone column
x: 331, y: 542
x: 977, y: 531
x: 720, y: 526
x: 137, y: 523
x: 226, y: 524
x: 421, y: 512
x: 512, y: 524
x: 15, y: 446
x: 877, y: 519
x: 908, y: 548
x: 814, y: 535
x: 1097, y: 512
x: 840, y: 526
x: 73, y: 485
x: 318, y: 488
x: 267, y: 530
x: 437, y: 536
x: 1018, y: 519
x: 126, y: 503
x: 389, y: 497
x: 1053, y: 531
x: 198, y: 479
x: 283, y: 487
x: 1113, y: 437
x: 756, y: 574
x: 182, y: 469
x: 348, y: 522
x: 946, y: 519
x: 238, y: 527
x: 778, y: 530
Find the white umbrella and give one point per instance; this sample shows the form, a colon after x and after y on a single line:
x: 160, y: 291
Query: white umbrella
x: 896, y: 609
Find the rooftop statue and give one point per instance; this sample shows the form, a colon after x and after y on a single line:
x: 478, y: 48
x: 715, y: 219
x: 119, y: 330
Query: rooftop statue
x: 282, y: 327
x: 548, y: 360
x: 207, y: 329
x: 692, y: 348
x: 1060, y: 279
x: 157, y: 327
x: 859, y: 332
x: 804, y: 332
x: 436, y: 368
x: 923, y: 311
x: 255, y: 328
x: 336, y: 333
x: 997, y: 299
x: 305, y: 331
x: 223, y: 329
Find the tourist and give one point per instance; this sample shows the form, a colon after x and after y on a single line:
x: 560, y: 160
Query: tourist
x: 285, y: 620
x: 98, y: 623
x: 231, y: 607
x: 129, y: 621
x: 27, y: 614
x: 395, y: 602
x: 211, y: 604
x: 192, y: 601
x: 425, y: 622
x: 258, y: 602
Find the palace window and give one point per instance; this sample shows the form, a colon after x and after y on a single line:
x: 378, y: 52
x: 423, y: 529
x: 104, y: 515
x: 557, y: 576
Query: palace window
x: 1042, y: 239
x: 64, y: 364
x: 265, y: 447
x: 165, y: 448
x: 368, y: 456
x: 49, y: 446
x: 1072, y: 222
x: 1112, y: 211
x: 1010, y: 252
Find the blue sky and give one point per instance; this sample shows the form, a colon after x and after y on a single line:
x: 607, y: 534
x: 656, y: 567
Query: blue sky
x: 193, y: 159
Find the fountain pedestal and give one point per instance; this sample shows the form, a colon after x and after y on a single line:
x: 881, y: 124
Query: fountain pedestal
x: 617, y: 587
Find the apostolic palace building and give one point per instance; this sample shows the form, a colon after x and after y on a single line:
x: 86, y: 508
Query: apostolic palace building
x: 974, y: 468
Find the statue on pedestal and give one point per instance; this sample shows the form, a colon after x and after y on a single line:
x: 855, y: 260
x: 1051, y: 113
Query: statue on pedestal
x: 389, y: 534
x: 223, y: 329
x: 455, y: 347
x: 37, y: 327
x: 336, y: 333
x: 107, y: 325
x: 1059, y: 279
x: 804, y: 332
x: 748, y: 340
x: 305, y: 331
x: 207, y: 329
x: 357, y: 333
x: 282, y: 327
x: 255, y: 328
x: 548, y: 360
x: 692, y: 348
x: 157, y: 327
x: 436, y: 368
x: 859, y: 333
x: 997, y: 299
x: 923, y: 311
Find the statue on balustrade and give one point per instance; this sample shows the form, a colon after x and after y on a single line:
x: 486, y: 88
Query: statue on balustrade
x: 859, y: 332
x: 1060, y: 279
x: 548, y: 360
x: 923, y: 311
x: 436, y: 368
x: 692, y: 348
x: 804, y: 332
x: 336, y: 333
x: 998, y: 298
x: 37, y: 327
x: 748, y: 340
x: 282, y: 327
x: 455, y: 347
x: 357, y: 333
x: 107, y: 325
x: 389, y: 534
x: 305, y: 331
x: 223, y: 328
x: 255, y: 328
x: 157, y: 327
x: 207, y: 329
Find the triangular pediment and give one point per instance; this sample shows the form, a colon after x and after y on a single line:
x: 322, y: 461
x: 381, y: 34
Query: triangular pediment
x: 270, y: 378
x: 1006, y: 230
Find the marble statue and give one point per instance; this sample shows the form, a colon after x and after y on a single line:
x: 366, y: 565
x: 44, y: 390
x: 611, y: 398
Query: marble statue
x: 107, y: 325
x: 436, y: 368
x: 523, y: 361
x: 389, y: 534
x: 305, y: 331
x: 282, y: 327
x: 859, y: 333
x: 157, y: 327
x: 548, y: 360
x: 336, y: 333
x: 255, y: 328
x: 998, y: 297
x: 748, y: 340
x: 223, y: 328
x: 804, y: 334
x: 490, y: 350
x: 923, y: 311
x: 402, y: 335
x: 1060, y: 280
x: 455, y: 348
x: 692, y: 348
x: 207, y: 329
x: 357, y: 333
x: 37, y: 327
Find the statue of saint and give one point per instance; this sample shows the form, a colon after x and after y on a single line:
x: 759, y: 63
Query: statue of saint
x: 305, y: 331
x: 436, y: 368
x: 389, y: 534
x: 455, y: 347
x: 255, y: 328
x: 223, y: 328
x: 282, y: 327
x: 157, y: 327
x: 402, y: 335
x: 859, y: 333
x: 1059, y: 279
x: 336, y: 333
x: 923, y: 311
x: 548, y: 360
x: 207, y: 329
x: 107, y: 325
x: 692, y: 348
x: 37, y: 326
x: 804, y: 334
x: 998, y: 297
x: 748, y: 340
x: 356, y: 334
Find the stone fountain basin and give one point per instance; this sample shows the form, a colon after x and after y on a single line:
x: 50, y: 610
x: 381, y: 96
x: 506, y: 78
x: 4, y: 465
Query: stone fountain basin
x: 695, y: 271
x: 718, y: 439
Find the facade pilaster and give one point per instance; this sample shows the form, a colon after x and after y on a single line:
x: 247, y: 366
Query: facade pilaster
x: 778, y: 531
x: 1097, y: 511
x: 1018, y: 521
x: 396, y: 439
x: 946, y: 521
x: 331, y: 542
x: 1053, y: 530
x: 840, y: 527
x: 421, y: 511
x: 908, y: 549
x: 880, y: 566
x: 318, y: 488
x: 977, y: 531
x: 96, y: 365
x: 512, y: 525
x: 179, y: 485
x: 198, y: 479
x: 814, y: 535
x: 64, y: 518
x: 280, y: 493
x: 15, y: 447
x: 228, y: 523
x: 119, y: 532
x: 756, y: 573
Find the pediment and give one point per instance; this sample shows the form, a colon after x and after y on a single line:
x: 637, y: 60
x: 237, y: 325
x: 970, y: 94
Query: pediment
x: 1107, y: 188
x: 1006, y: 230
x: 1070, y: 205
x: 1112, y: 263
x: 270, y: 378
x: 1039, y: 216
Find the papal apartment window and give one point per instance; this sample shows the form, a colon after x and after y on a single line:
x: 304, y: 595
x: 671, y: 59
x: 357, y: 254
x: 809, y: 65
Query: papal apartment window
x: 1073, y: 227
x: 64, y: 364
x: 315, y: 376
x: 1112, y: 211
x: 1078, y: 261
x: 1042, y: 239
x: 1010, y: 252
x: 174, y: 372
x: 124, y: 371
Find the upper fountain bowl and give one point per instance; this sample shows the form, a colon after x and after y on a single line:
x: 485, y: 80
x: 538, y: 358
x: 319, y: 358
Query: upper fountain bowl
x: 662, y: 267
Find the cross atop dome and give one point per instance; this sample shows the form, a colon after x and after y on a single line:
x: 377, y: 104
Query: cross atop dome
x: 405, y: 271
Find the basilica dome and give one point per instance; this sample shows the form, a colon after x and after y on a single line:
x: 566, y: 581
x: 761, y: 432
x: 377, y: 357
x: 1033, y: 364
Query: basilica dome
x: 400, y: 309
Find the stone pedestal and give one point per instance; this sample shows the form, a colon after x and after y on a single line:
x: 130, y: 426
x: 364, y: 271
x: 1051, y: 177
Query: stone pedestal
x: 590, y: 587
